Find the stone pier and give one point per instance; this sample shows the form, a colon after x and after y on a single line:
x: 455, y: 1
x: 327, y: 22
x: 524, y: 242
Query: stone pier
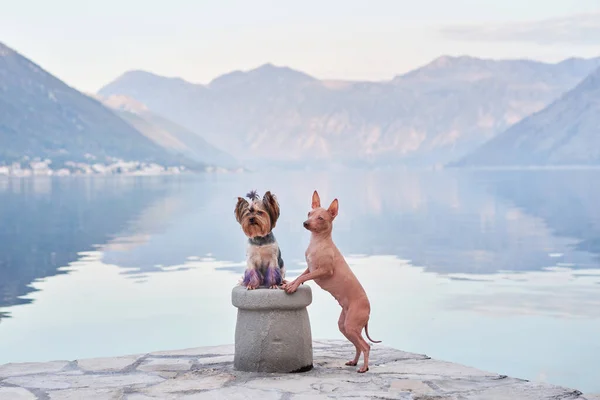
x: 208, y: 373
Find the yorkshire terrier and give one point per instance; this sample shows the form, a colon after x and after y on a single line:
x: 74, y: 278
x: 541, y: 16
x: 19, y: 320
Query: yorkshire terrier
x: 264, y: 265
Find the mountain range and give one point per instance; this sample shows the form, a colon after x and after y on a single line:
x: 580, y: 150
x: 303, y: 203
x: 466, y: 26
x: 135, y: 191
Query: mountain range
x: 433, y: 115
x: 41, y: 117
x: 477, y: 111
x: 567, y: 132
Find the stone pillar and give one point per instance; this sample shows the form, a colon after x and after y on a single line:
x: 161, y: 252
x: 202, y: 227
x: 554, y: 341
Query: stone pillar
x: 272, y: 332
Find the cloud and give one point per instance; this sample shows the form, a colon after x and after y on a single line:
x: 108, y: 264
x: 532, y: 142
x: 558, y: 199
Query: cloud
x: 580, y: 29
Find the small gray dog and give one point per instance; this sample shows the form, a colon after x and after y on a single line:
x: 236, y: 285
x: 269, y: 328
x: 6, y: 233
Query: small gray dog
x: 264, y: 265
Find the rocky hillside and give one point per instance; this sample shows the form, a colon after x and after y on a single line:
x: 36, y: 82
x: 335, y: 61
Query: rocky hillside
x: 42, y: 117
x: 433, y: 115
x: 567, y: 132
x: 167, y: 134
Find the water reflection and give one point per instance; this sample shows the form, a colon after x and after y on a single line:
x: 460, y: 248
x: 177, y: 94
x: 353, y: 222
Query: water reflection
x: 567, y: 201
x: 47, y: 222
x: 446, y: 222
x: 533, y: 293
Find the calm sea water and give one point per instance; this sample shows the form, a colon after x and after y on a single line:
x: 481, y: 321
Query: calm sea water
x: 496, y: 270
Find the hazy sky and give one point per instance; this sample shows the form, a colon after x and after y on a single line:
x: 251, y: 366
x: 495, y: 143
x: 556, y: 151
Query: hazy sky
x: 88, y: 44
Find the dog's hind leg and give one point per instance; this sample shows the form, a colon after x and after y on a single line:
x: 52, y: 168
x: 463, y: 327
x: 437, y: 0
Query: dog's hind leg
x: 355, y: 321
x: 362, y: 347
x: 342, y: 328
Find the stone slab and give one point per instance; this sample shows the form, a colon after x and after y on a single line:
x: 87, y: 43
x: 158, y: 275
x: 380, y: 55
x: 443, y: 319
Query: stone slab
x: 215, y: 360
x: 165, y: 364
x: 19, y: 369
x: 87, y: 394
x: 15, y: 393
x: 234, y: 393
x: 67, y: 381
x: 186, y: 384
x: 197, y: 352
x: 108, y: 364
x: 208, y: 373
x: 432, y: 368
x: 412, y: 386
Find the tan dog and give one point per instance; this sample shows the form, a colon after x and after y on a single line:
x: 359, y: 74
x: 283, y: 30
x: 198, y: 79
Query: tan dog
x: 329, y: 269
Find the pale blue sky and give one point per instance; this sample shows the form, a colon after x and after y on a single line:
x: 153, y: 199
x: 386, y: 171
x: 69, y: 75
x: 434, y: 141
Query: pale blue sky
x: 87, y: 44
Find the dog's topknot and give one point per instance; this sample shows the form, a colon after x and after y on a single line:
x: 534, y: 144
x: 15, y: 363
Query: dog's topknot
x: 252, y: 195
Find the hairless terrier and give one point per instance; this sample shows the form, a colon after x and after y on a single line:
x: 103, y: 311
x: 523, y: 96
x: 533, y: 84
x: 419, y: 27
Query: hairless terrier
x: 328, y: 268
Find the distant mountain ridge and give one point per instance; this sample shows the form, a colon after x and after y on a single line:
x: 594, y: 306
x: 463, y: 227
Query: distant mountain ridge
x: 266, y: 75
x: 567, y: 132
x: 432, y: 115
x: 167, y: 134
x: 471, y: 69
x: 42, y: 117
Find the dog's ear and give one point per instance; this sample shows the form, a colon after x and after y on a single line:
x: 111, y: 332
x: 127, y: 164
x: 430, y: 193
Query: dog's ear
x: 240, y: 208
x: 316, y: 201
x: 272, y: 207
x: 333, y: 208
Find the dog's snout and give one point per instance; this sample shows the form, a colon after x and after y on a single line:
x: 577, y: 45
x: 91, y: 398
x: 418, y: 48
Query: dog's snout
x: 252, y: 220
x: 305, y: 223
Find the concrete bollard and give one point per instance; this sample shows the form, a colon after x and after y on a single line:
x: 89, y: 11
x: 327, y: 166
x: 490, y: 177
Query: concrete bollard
x: 272, y: 332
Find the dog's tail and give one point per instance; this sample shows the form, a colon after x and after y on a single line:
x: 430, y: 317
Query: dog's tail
x: 367, y: 333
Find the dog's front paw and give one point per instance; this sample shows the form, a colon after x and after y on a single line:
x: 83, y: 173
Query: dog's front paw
x: 290, y: 287
x: 251, y: 279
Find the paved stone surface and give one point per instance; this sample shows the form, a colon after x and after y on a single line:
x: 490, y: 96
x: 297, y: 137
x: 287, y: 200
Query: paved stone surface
x: 106, y: 364
x: 7, y: 370
x: 166, y: 364
x: 199, y: 351
x: 207, y: 373
x: 15, y: 393
x: 215, y: 360
x: 87, y: 394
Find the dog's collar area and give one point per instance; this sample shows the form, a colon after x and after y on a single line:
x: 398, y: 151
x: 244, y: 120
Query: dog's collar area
x: 262, y: 240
